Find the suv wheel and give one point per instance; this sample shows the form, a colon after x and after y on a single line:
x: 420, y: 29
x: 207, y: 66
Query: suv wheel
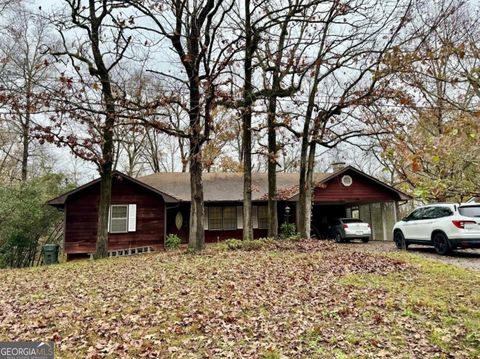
x: 399, y: 240
x: 338, y: 238
x: 365, y: 240
x: 441, y: 243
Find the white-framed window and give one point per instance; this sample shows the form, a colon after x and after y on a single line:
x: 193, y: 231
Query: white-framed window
x: 119, y: 218
x: 122, y: 218
x: 262, y: 213
x: 222, y: 218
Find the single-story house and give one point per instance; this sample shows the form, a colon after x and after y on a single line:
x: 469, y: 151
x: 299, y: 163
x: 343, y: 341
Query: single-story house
x: 146, y: 209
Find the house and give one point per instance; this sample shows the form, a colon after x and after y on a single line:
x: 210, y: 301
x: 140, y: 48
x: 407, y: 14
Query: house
x: 145, y: 210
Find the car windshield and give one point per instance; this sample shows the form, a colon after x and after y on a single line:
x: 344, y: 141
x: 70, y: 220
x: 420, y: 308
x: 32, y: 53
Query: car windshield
x: 351, y: 220
x: 469, y: 211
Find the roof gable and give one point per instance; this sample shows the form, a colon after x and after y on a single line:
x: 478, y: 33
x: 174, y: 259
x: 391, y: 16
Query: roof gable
x: 60, y: 200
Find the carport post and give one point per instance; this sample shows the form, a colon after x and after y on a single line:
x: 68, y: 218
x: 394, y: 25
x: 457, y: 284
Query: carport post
x: 384, y: 221
x: 371, y: 220
x: 395, y: 211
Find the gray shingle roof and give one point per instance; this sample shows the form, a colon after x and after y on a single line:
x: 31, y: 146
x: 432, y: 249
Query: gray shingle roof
x: 225, y: 186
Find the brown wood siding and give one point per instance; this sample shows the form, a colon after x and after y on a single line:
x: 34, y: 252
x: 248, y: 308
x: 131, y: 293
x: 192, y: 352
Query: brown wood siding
x: 81, y: 218
x: 362, y: 190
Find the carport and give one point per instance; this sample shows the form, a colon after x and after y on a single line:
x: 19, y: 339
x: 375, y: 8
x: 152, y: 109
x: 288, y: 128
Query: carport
x: 352, y: 193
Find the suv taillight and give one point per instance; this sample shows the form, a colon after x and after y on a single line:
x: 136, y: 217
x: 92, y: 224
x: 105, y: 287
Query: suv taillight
x: 461, y: 224
x: 345, y: 226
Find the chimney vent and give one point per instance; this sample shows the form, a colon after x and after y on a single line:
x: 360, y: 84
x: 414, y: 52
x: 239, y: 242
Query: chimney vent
x: 337, y: 166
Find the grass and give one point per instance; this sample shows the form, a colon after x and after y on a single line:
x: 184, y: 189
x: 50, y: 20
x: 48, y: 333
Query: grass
x: 292, y: 300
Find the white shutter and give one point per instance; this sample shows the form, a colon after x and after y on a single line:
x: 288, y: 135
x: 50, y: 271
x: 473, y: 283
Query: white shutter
x: 205, y: 218
x: 109, y: 218
x: 239, y: 217
x: 254, y: 217
x: 132, y: 217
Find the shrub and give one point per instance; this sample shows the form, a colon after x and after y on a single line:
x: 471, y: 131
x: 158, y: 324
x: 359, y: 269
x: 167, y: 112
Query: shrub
x: 246, y: 245
x: 265, y: 239
x: 288, y: 231
x: 27, y: 222
x: 232, y: 244
x: 173, y: 241
x: 295, y: 237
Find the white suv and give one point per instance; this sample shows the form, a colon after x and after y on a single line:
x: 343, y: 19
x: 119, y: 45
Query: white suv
x: 445, y: 226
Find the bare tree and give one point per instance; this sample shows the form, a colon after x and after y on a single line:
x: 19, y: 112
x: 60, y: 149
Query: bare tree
x: 193, y: 31
x: 280, y: 61
x: 348, y: 69
x: 25, y: 74
x: 87, y: 103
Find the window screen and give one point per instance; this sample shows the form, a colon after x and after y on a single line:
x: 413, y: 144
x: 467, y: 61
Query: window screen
x: 262, y: 213
x: 229, y: 217
x: 215, y: 218
x: 119, y: 219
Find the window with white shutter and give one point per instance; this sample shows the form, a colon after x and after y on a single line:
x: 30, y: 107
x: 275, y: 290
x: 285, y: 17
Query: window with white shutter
x: 119, y: 218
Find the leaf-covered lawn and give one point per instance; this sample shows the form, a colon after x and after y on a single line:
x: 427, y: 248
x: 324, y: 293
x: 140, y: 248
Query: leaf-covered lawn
x: 300, y: 300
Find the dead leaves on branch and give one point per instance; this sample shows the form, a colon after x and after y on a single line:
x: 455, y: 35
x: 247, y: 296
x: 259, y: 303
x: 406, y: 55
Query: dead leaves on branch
x: 286, y: 300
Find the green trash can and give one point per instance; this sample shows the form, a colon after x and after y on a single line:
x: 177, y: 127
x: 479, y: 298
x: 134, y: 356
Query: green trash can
x: 50, y: 254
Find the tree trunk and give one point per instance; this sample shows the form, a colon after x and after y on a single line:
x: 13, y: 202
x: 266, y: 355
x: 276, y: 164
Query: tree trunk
x: 305, y: 185
x: 106, y: 174
x: 272, y: 169
x: 25, y: 145
x: 197, y: 232
x: 306, y: 176
x: 304, y: 215
x: 108, y: 147
x: 246, y: 128
x: 101, y: 250
x: 26, y: 134
x: 106, y: 171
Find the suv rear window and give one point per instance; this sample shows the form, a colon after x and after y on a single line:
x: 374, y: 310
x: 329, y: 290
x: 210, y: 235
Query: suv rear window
x: 469, y: 211
x: 351, y: 220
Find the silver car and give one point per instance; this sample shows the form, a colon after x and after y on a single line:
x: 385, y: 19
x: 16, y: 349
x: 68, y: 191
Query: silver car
x: 345, y: 229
